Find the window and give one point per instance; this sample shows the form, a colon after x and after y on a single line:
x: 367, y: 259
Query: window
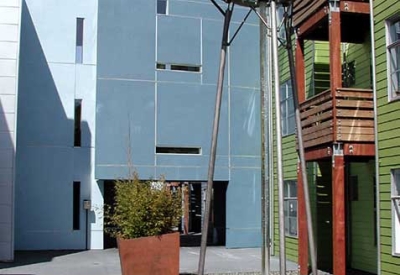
x: 79, y: 41
x: 396, y: 211
x: 76, y: 199
x: 178, y: 150
x: 77, y: 123
x: 287, y: 109
x: 393, y: 55
x: 162, y: 6
x: 178, y: 67
x: 280, y: 23
x: 290, y: 207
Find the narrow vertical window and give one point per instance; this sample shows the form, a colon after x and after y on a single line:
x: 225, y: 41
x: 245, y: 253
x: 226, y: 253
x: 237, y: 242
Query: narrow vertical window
x: 396, y: 211
x: 76, y: 199
x: 162, y: 6
x: 77, y: 122
x: 393, y: 56
x: 290, y: 207
x: 79, y: 41
x: 287, y: 109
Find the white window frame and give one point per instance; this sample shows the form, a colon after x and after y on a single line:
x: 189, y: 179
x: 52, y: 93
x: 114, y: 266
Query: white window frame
x: 395, y: 198
x: 288, y: 199
x: 392, y: 43
x: 287, y: 114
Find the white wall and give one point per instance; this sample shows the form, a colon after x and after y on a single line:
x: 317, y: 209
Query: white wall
x: 47, y: 161
x: 9, y: 44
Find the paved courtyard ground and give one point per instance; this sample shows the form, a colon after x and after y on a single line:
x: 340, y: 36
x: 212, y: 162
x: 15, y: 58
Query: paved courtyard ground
x: 106, y: 262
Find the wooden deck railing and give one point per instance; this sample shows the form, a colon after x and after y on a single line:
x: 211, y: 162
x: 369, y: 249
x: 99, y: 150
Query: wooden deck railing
x: 345, y: 116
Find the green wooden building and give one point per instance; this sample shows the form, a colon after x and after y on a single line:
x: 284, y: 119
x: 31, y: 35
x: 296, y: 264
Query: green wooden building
x: 354, y: 175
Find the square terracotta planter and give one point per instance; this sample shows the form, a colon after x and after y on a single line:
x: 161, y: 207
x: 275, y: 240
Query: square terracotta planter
x: 150, y: 255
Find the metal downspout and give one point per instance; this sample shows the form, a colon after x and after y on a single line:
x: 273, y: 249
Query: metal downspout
x: 373, y: 76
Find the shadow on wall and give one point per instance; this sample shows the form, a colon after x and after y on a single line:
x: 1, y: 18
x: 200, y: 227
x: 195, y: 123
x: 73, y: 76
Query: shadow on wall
x: 47, y: 163
x: 7, y: 156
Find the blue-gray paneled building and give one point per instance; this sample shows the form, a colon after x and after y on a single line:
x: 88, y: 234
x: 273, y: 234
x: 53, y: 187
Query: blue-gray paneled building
x: 156, y: 87
x: 108, y: 86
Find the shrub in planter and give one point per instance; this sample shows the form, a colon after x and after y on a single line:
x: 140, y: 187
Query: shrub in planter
x: 142, y: 219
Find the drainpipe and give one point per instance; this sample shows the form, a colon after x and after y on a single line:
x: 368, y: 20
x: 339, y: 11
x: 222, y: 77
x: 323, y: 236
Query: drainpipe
x: 378, y: 228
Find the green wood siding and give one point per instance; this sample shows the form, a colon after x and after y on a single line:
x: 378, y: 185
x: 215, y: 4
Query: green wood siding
x: 361, y: 54
x: 388, y: 135
x: 362, y: 225
x: 290, y: 157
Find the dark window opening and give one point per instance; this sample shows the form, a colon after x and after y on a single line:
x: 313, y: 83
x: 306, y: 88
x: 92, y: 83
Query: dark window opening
x: 77, y: 122
x: 178, y: 150
x: 76, y: 205
x: 162, y: 6
x: 161, y: 66
x: 187, y: 68
x: 349, y: 74
x: 79, y: 41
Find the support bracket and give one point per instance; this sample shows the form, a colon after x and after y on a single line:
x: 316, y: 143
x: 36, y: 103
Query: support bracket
x: 334, y: 6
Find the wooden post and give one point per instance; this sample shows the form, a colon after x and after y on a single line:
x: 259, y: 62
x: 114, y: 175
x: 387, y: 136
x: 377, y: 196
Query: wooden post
x: 335, y: 63
x: 338, y: 211
x: 302, y: 215
x: 186, y: 194
x: 338, y: 174
x: 302, y: 222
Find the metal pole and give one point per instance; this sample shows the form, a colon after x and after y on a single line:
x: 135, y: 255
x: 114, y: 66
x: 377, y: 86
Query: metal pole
x: 214, y: 138
x: 282, y: 248
x: 265, y: 217
x: 270, y: 131
x: 311, y: 242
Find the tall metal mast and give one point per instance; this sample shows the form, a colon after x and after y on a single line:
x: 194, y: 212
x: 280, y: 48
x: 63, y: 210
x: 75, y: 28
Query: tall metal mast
x: 214, y: 138
x: 282, y: 247
x: 265, y: 137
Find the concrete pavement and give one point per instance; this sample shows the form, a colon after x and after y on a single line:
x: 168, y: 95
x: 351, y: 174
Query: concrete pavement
x: 219, y: 260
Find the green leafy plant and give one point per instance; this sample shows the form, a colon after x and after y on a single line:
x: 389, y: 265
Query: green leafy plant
x: 143, y: 208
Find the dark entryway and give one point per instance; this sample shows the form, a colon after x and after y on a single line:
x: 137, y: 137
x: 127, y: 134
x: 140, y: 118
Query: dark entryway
x: 191, y: 231
x: 109, y: 194
x: 324, y: 217
x: 191, y: 236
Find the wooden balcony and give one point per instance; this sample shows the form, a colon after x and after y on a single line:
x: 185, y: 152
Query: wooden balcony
x: 344, y: 116
x: 311, y: 19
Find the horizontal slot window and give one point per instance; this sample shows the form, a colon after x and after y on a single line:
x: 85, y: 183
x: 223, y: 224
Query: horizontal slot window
x: 178, y: 150
x: 186, y: 68
x: 178, y: 67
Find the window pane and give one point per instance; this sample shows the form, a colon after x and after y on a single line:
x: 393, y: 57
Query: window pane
x: 396, y: 177
x: 291, y: 124
x: 293, y: 189
x: 79, y: 41
x: 293, y: 226
x: 283, y: 92
x: 293, y: 208
x: 395, y: 31
x: 161, y: 6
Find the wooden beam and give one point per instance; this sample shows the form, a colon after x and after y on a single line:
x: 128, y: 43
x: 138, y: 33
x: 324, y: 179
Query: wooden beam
x: 354, y: 7
x: 339, y: 215
x: 365, y: 150
x: 302, y: 220
x: 312, y: 22
x: 318, y: 153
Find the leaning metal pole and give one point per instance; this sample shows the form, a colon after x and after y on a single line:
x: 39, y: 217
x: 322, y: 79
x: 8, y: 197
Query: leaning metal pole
x: 282, y: 248
x: 214, y: 138
x: 311, y: 242
x: 265, y: 215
